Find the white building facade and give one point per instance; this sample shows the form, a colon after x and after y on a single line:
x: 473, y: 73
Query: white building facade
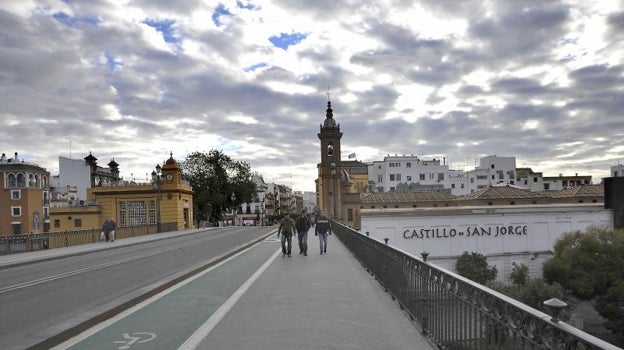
x: 521, y: 234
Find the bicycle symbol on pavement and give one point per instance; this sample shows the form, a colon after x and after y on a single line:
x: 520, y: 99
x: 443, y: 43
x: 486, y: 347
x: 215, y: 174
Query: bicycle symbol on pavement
x: 134, y: 338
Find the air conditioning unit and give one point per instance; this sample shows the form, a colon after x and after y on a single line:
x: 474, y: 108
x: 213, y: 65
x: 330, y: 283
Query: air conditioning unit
x: 71, y: 203
x: 82, y: 202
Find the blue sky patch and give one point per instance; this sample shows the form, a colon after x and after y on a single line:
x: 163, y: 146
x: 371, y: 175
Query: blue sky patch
x: 285, y: 40
x: 72, y: 22
x: 255, y: 66
x: 110, y: 61
x: 247, y: 6
x: 165, y: 27
x: 220, y: 11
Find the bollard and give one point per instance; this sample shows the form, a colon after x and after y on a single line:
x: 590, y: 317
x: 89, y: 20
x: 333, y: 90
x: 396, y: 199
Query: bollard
x: 367, y: 234
x: 386, y: 239
x: 424, y: 255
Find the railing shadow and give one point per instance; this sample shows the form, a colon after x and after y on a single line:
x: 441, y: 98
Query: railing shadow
x: 456, y: 313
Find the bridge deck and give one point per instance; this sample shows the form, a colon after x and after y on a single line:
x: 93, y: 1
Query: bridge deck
x: 304, y: 302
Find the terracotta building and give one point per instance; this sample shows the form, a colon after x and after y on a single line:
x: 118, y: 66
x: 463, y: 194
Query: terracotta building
x: 24, y: 197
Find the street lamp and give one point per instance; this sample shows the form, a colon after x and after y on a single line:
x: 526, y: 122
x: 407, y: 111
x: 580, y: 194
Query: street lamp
x: 233, y: 198
x: 333, y: 172
x: 157, y: 182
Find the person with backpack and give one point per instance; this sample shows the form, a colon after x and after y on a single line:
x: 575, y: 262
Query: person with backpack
x: 303, y: 225
x: 322, y: 230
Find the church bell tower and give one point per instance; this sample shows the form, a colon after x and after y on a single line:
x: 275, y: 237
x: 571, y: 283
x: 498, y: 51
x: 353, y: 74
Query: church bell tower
x: 330, y: 169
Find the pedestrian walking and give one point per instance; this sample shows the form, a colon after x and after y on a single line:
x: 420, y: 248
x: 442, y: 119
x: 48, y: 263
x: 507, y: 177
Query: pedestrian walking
x: 286, y: 229
x: 112, y: 228
x: 303, y: 225
x: 322, y: 230
x: 106, y: 229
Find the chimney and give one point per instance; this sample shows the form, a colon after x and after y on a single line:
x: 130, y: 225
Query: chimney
x: 15, y: 155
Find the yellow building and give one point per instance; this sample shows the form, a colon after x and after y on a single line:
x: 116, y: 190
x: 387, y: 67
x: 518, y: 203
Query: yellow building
x: 168, y: 200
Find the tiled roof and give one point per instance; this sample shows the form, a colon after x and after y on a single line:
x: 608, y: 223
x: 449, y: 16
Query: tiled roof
x: 406, y: 197
x: 502, y: 192
x: 579, y: 191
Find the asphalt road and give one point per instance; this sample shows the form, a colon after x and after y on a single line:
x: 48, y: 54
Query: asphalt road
x: 44, y: 298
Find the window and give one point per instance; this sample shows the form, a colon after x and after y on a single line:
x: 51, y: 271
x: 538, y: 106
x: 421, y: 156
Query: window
x: 330, y: 150
x: 151, y: 212
x: 492, y: 166
x: 452, y: 185
x: 77, y: 222
x: 395, y: 177
x: 421, y: 176
x: 137, y: 213
x: 462, y: 185
x: 379, y: 167
x: 16, y: 211
x: 349, y: 214
x: 409, y: 178
x: 391, y: 165
x: 12, y: 181
x: 57, y: 223
x: 431, y: 176
x: 21, y: 180
x: 122, y: 214
x: 440, y: 176
x: 408, y: 165
x: 535, y: 179
x: 379, y: 179
x: 16, y: 194
x: 500, y: 174
x: 493, y: 177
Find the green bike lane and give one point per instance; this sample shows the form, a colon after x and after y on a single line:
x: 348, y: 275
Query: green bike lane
x: 168, y: 319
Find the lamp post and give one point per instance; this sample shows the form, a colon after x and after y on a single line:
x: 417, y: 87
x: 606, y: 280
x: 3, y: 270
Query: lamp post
x: 333, y: 172
x: 233, y: 198
x: 157, y: 182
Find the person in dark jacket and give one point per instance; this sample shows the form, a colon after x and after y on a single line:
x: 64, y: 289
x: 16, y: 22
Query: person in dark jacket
x: 286, y: 229
x: 322, y: 229
x: 303, y: 225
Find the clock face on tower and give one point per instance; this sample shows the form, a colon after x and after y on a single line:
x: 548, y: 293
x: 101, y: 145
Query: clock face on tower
x: 169, y: 177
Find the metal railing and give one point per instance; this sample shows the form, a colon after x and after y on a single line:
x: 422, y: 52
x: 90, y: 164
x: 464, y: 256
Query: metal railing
x: 456, y: 313
x: 50, y: 240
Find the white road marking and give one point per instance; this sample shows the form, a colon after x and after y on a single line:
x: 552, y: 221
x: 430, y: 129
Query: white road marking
x: 95, y: 329
x: 193, y: 341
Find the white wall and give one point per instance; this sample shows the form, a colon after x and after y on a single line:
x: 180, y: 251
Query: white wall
x: 447, y: 233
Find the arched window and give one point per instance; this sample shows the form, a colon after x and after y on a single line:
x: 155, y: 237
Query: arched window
x: 45, y: 181
x: 21, y: 180
x: 37, y: 184
x: 330, y: 150
x: 31, y: 181
x: 12, y: 181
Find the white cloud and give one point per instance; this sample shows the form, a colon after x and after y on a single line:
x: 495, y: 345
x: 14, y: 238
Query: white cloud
x: 405, y: 77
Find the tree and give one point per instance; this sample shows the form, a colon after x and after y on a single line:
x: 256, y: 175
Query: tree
x: 519, y: 274
x: 590, y: 265
x: 475, y: 267
x: 532, y: 292
x: 214, y: 177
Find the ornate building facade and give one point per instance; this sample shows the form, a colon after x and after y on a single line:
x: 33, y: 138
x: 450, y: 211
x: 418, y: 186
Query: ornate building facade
x: 24, y: 197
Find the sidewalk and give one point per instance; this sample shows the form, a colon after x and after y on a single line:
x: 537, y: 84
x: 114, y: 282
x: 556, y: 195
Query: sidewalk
x: 38, y: 255
x: 315, y: 302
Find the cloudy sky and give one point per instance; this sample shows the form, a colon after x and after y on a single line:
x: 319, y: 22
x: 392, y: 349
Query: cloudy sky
x: 136, y: 79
